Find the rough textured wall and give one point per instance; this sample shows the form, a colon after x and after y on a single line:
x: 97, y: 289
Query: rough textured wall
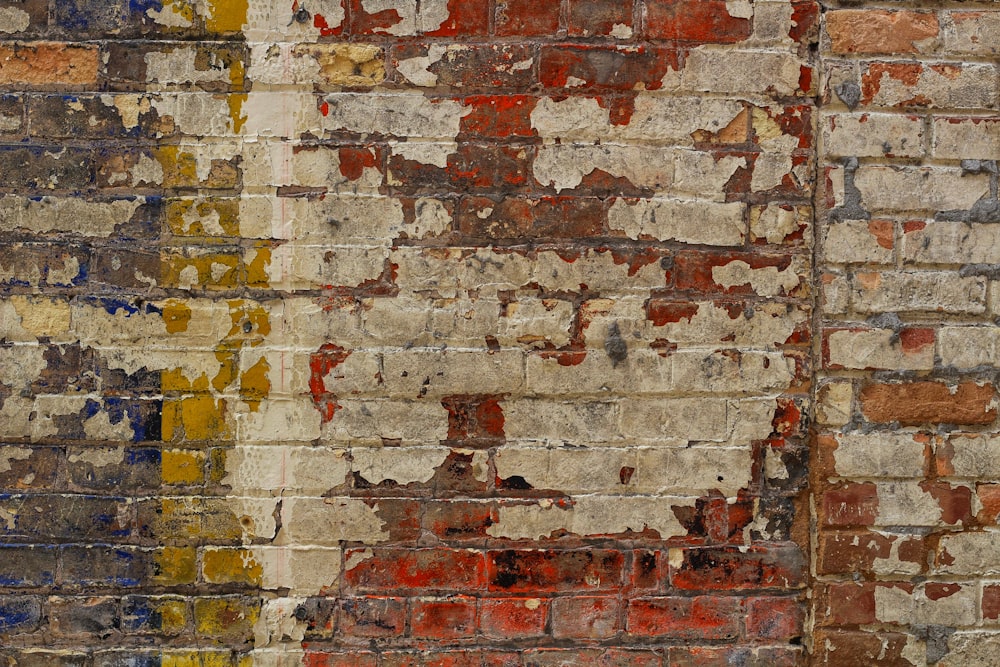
x: 906, y: 457
x: 481, y: 332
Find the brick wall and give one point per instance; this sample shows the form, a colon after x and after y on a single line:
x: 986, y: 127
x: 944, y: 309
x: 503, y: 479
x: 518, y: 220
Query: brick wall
x: 482, y: 333
x: 904, y: 462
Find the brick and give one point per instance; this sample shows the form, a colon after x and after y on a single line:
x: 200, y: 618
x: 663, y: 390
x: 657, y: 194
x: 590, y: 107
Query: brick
x: 732, y: 569
x: 95, y: 617
x: 704, y: 655
x: 942, y: 85
x: 493, y: 66
x: 869, y: 349
x: 524, y: 18
x: 880, y: 553
x: 418, y: 569
x: 944, y: 242
x: 48, y: 65
x: 874, y: 135
x: 443, y: 619
x: 535, y: 570
x: 857, y: 648
x: 19, y: 614
x: 604, y: 67
x: 971, y: 32
x: 697, y: 618
x: 967, y: 138
x: 372, y: 617
x: 920, y: 291
x: 774, y: 618
x: 588, y: 18
x: 513, y: 618
x: 928, y: 402
x: 580, y: 617
x: 695, y: 21
x: 873, y: 31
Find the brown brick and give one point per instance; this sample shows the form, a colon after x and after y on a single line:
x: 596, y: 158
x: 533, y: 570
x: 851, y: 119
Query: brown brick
x: 877, y: 31
x: 929, y: 402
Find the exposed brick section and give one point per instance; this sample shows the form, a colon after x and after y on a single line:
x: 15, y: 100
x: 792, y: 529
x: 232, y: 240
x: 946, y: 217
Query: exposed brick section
x: 906, y: 396
x: 487, y: 333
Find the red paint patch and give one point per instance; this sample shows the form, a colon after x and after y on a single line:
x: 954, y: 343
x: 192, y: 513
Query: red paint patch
x: 914, y: 340
x: 699, y: 21
x: 354, y: 160
x: 475, y: 417
x: 321, y: 362
x: 499, y: 115
x: 324, y: 28
x: 661, y: 312
x: 938, y: 591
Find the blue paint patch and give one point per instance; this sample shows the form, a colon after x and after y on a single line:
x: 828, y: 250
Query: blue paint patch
x: 112, y: 305
x: 91, y: 408
x: 142, y: 6
x: 18, y: 613
x: 143, y: 456
x: 140, y: 613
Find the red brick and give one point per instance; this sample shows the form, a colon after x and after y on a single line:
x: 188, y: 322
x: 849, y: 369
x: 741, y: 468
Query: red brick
x: 484, y: 219
x: 857, y: 551
x: 914, y: 403
x: 585, y: 617
x: 340, y: 659
x: 527, y: 17
x: 452, y: 520
x: 499, y: 115
x: 846, y: 604
x: 465, y: 18
x: 513, y: 618
x: 775, y: 618
x: 991, y: 602
x: 860, y: 649
x: 477, y: 66
x: 850, y: 505
x: 605, y: 67
x: 471, y: 168
x: 531, y: 571
x: 453, y: 618
x: 697, y: 618
x: 598, y: 17
x: 706, y: 656
x: 414, y: 570
x: 372, y: 617
x: 702, y: 21
x: 694, y: 269
x: 735, y: 569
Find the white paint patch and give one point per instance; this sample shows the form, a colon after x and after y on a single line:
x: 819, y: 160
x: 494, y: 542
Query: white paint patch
x: 398, y: 114
x: 99, y: 457
x: 425, y: 152
x: 766, y: 281
x: 403, y: 465
x: 416, y: 70
x: 591, y: 515
x: 171, y: 16
x: 14, y: 20
x: 50, y: 214
x: 10, y: 453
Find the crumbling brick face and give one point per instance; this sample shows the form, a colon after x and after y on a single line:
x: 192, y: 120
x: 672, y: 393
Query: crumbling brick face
x: 903, y: 462
x: 398, y: 332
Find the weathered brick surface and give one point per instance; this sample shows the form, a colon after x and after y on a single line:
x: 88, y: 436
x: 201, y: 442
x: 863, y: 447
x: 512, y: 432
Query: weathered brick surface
x: 399, y: 332
x: 903, y: 461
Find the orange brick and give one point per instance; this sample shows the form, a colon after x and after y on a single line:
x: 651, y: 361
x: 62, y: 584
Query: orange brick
x: 48, y: 64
